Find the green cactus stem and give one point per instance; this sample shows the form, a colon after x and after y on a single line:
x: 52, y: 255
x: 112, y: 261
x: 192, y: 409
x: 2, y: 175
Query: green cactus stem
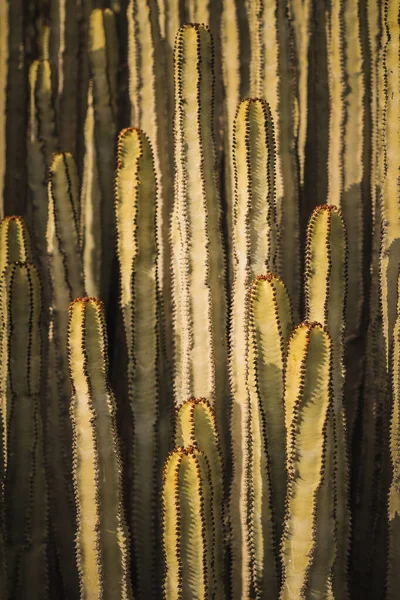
x: 199, y: 283
x: 195, y: 424
x: 66, y: 283
x: 255, y: 249
x: 308, y: 548
x: 101, y: 539
x: 63, y: 43
x: 25, y: 485
x: 103, y: 62
x: 325, y: 292
x: 270, y: 325
x: 41, y: 144
x: 188, y: 526
x: 137, y: 247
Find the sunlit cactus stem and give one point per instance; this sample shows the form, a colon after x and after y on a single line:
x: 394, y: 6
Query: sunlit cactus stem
x: 25, y: 486
x: 325, y: 295
x: 195, y: 424
x: 307, y: 548
x: 102, y: 551
x: 136, y: 210
x: 255, y: 251
x: 269, y: 327
x: 198, y: 263
x: 188, y: 527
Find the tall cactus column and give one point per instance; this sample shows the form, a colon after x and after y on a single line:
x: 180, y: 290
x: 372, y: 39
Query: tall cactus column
x: 198, y: 259
x: 255, y: 249
x: 101, y: 540
x: 137, y: 245
x: 25, y: 484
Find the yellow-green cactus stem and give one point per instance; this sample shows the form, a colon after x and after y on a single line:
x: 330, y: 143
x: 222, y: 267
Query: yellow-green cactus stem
x: 25, y: 486
x: 91, y: 228
x: 393, y: 573
x: 308, y: 541
x: 195, y: 424
x: 300, y: 14
x: 271, y: 77
x: 325, y: 295
x: 188, y: 526
x: 103, y: 62
x: 255, y: 248
x: 198, y: 257
x: 150, y: 103
x: 137, y: 247
x: 66, y: 283
x: 390, y: 203
x: 102, y: 552
x: 41, y: 144
x: 270, y: 325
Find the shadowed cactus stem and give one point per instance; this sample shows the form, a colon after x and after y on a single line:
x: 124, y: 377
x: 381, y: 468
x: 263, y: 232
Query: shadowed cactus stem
x: 136, y: 211
x: 102, y: 552
x: 25, y: 486
x: 188, y: 527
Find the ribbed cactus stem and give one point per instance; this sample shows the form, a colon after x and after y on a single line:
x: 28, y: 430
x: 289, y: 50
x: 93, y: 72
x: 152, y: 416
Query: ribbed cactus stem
x: 393, y: 573
x: 136, y: 210
x: 14, y: 242
x: 308, y: 547
x: 188, y: 526
x: 66, y: 283
x: 41, y: 144
x: 254, y: 249
x: 325, y: 292
x: 195, y: 424
x: 270, y: 325
x: 90, y: 227
x: 25, y: 485
x: 198, y: 257
x: 300, y: 13
x: 103, y: 62
x: 102, y: 552
x: 390, y: 250
x: 14, y: 247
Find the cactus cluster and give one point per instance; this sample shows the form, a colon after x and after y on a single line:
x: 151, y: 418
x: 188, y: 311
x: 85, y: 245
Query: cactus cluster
x: 199, y: 299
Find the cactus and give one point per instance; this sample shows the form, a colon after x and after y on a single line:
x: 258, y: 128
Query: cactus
x: 308, y: 548
x: 188, y: 526
x: 14, y: 247
x: 103, y: 56
x: 394, y: 492
x: 325, y: 291
x: 255, y: 249
x: 41, y: 144
x: 101, y: 540
x: 269, y: 327
x: 66, y: 283
x: 195, y: 425
x: 25, y: 486
x: 199, y: 285
x: 136, y: 211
